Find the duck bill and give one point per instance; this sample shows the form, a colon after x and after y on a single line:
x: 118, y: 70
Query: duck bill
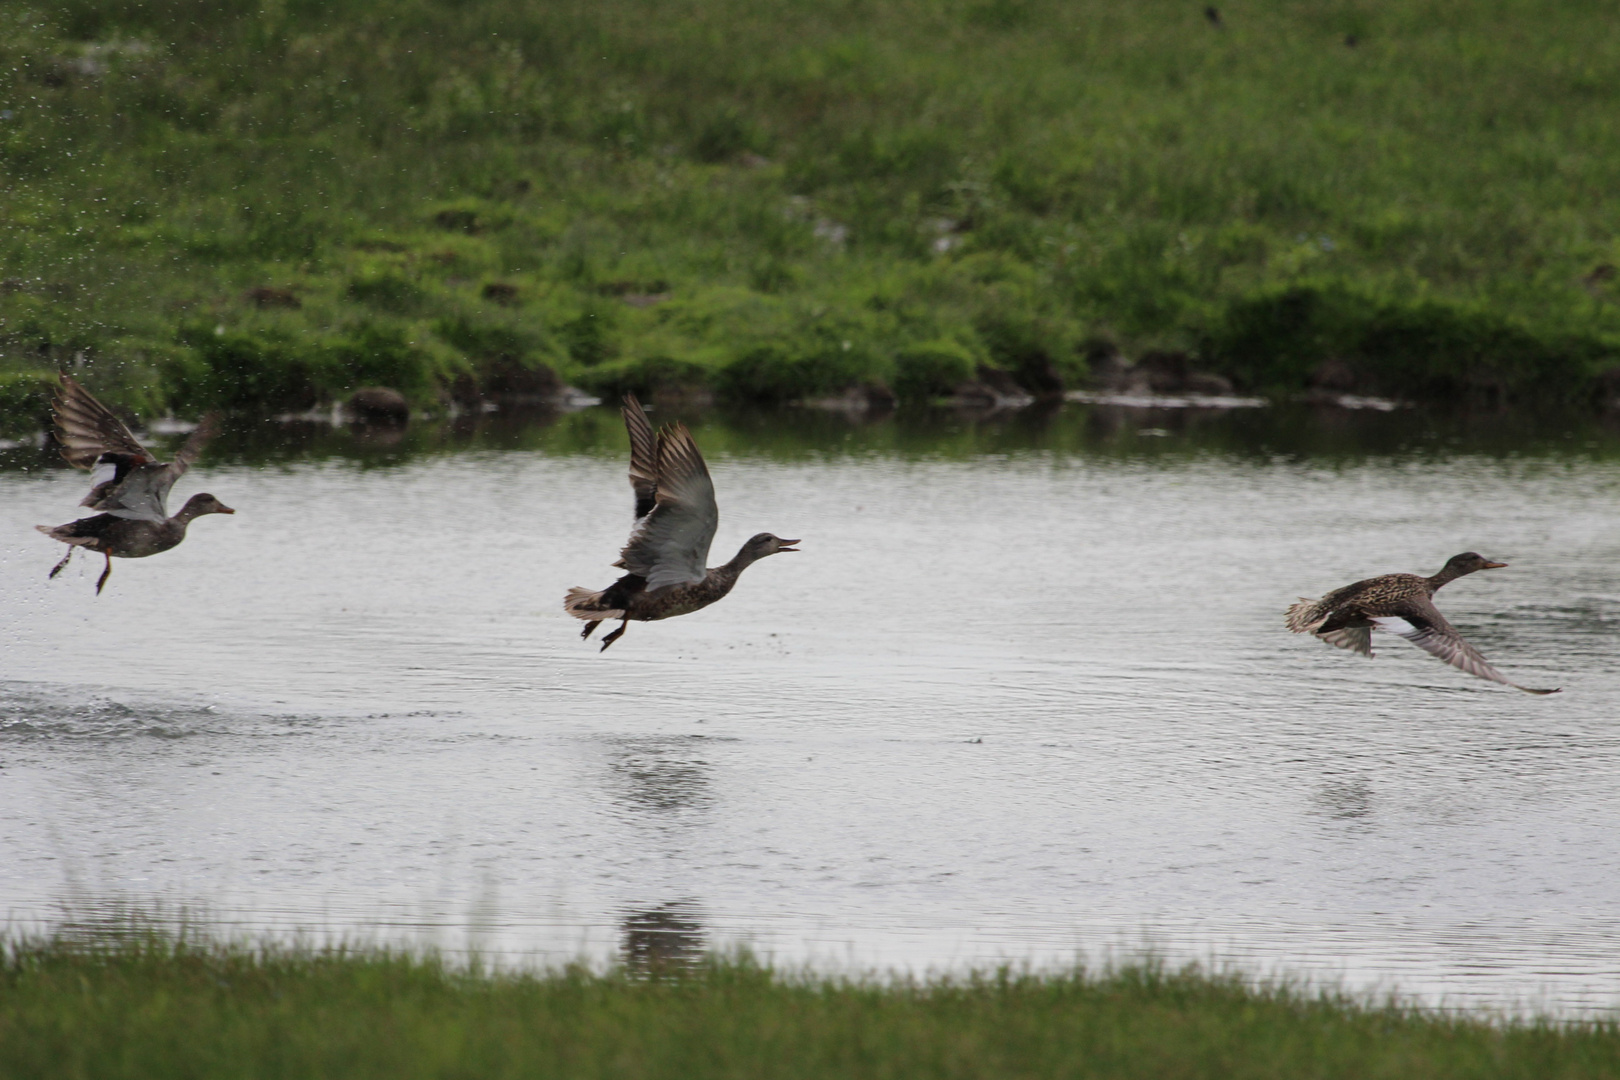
x: 1492, y: 565
x: 223, y: 509
x: 787, y: 546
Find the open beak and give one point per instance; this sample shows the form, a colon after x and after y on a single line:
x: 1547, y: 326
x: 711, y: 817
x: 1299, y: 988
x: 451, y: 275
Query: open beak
x: 1493, y: 565
x: 785, y: 546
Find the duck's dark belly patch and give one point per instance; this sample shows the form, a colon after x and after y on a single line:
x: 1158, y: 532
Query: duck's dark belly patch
x: 680, y: 606
x: 683, y: 600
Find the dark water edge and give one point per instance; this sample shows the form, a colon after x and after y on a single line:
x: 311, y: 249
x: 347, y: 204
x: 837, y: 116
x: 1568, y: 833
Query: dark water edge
x: 1267, y: 433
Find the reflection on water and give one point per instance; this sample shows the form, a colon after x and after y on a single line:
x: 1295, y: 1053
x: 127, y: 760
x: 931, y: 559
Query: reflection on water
x: 1025, y: 696
x: 663, y: 939
x: 663, y: 776
x: 1346, y: 799
x: 1318, y: 432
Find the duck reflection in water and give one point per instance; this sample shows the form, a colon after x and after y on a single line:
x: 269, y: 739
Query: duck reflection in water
x: 662, y: 775
x: 664, y: 939
x: 1345, y: 799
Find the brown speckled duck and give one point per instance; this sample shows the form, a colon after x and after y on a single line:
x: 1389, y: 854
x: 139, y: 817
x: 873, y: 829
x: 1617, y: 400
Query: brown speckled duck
x: 128, y: 484
x: 676, y: 518
x: 1400, y: 604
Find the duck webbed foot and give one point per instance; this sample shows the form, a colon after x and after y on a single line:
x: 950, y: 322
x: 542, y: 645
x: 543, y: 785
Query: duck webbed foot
x: 59, y: 567
x: 616, y: 635
x: 590, y: 628
x: 105, y: 574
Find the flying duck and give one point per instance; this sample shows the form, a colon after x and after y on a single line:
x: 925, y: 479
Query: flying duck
x: 1400, y: 604
x: 128, y: 484
x: 676, y: 518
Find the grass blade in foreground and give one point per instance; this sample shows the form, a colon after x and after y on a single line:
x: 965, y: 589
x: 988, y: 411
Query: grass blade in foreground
x: 154, y: 1007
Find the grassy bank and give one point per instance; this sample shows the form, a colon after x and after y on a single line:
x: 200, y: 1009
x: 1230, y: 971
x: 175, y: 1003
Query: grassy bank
x: 152, y: 1007
x: 260, y: 207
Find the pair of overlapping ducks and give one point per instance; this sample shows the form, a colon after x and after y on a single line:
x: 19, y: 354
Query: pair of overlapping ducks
x: 666, y: 555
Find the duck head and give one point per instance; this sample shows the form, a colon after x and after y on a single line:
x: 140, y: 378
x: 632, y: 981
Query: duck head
x: 1467, y: 563
x: 764, y: 544
x: 198, y: 505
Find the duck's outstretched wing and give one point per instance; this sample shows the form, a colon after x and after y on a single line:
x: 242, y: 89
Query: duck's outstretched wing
x: 125, y: 479
x: 87, y: 430
x: 163, y: 478
x: 206, y: 429
x: 670, y: 544
x: 143, y: 493
x: 1423, y: 625
x: 643, y: 457
x: 93, y: 438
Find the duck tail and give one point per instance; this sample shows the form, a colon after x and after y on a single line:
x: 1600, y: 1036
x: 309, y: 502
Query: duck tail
x: 1305, y: 616
x: 66, y: 535
x: 582, y: 603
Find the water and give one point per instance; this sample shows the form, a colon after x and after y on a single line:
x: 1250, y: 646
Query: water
x: 1024, y: 696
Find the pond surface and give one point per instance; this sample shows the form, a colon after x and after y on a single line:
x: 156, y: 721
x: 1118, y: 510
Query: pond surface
x: 1024, y: 696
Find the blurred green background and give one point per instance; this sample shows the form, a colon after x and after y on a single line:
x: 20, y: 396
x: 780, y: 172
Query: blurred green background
x: 260, y: 207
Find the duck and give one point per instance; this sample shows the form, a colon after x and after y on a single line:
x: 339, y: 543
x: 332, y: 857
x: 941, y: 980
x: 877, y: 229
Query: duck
x: 675, y: 522
x: 127, y: 483
x: 1400, y: 604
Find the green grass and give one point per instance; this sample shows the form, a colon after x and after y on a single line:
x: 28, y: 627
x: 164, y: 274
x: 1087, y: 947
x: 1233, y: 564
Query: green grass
x: 776, y: 199
x: 155, y: 1007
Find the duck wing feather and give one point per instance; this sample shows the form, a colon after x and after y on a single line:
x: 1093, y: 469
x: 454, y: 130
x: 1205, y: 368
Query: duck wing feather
x: 142, y: 493
x: 86, y: 429
x: 125, y: 480
x: 1421, y: 623
x: 188, y: 454
x: 670, y: 543
x: 643, y: 456
x: 1358, y: 639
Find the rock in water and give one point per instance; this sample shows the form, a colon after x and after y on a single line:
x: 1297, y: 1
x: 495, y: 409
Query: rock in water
x: 378, y: 405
